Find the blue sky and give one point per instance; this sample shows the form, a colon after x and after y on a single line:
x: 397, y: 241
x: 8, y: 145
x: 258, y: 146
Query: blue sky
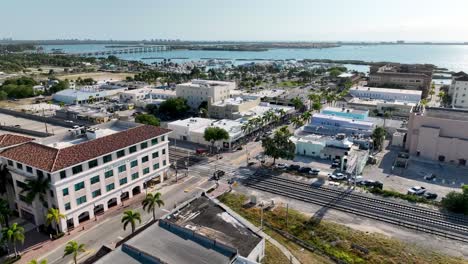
x: 319, y: 20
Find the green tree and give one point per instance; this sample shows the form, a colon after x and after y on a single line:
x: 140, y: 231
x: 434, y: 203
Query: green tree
x: 53, y: 216
x: 61, y: 85
x: 36, y: 188
x: 386, y: 115
x: 13, y: 234
x: 5, y: 212
x: 334, y: 72
x: 297, y: 102
x: 297, y: 121
x: 147, y: 119
x: 306, y: 116
x: 174, y: 108
x: 130, y: 217
x: 44, y: 261
x: 3, y: 95
x: 73, y: 248
x: 151, y: 201
x: 5, y: 179
x: 279, y: 146
x: 378, y: 136
x: 317, y: 106
x: 213, y: 134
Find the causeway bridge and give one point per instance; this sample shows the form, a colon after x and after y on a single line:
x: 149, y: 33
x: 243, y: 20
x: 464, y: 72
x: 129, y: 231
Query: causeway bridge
x: 113, y: 51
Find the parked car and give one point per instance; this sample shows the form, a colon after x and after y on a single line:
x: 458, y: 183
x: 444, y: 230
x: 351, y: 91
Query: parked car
x: 335, y: 164
x: 201, y: 151
x: 430, y: 176
x: 417, y: 190
x: 251, y: 163
x: 281, y: 166
x: 370, y: 183
x: 294, y: 167
x: 314, y: 172
x: 305, y: 170
x: 218, y: 174
x: 430, y: 196
x: 240, y: 148
x: 257, y: 139
x: 337, y: 177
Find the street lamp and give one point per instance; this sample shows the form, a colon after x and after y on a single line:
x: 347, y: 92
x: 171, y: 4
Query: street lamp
x: 175, y: 167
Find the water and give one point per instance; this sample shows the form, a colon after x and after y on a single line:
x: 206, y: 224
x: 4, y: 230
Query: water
x: 452, y: 57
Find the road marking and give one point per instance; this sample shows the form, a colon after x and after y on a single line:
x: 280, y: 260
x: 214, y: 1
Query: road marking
x: 120, y: 238
x: 165, y: 210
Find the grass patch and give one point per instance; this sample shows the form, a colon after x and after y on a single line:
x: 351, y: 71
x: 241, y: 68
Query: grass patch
x: 290, y: 84
x: 335, y: 240
x: 407, y: 197
x: 273, y: 255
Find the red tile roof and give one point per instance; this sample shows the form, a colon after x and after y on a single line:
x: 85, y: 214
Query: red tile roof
x: 52, y: 159
x: 7, y: 140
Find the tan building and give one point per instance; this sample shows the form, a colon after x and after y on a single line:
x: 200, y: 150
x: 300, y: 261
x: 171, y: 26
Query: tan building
x: 439, y: 134
x: 198, y: 91
x: 458, y: 90
x: 412, y: 77
x: 232, y: 107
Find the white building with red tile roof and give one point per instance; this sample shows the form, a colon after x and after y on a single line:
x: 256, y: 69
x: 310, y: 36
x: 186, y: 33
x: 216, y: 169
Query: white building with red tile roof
x: 89, y: 169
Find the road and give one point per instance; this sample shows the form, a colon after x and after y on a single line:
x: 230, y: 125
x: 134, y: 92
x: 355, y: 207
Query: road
x: 110, y: 230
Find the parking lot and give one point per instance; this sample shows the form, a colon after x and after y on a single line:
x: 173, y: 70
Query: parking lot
x: 9, y: 120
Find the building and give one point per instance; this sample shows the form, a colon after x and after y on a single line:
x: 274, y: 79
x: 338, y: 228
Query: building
x: 201, y: 231
x: 438, y: 134
x: 144, y: 96
x: 403, y: 76
x: 332, y: 125
x: 85, y: 95
x: 193, y: 130
x: 386, y: 94
x: 89, y: 169
x: 198, y: 91
x: 96, y: 115
x: 232, y: 108
x: 396, y: 108
x: 458, y: 90
x: 346, y: 113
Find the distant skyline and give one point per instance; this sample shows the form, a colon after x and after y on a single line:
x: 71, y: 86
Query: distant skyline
x: 241, y: 20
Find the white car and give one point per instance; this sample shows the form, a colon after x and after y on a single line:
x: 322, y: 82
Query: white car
x: 338, y: 177
x: 281, y: 166
x: 417, y: 190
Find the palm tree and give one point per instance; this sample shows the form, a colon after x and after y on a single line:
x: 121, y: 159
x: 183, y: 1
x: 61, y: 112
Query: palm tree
x: 44, y: 261
x: 4, y: 212
x: 247, y: 128
x: 386, y: 115
x: 130, y: 217
x: 306, y: 116
x: 314, y: 98
x: 36, y: 188
x: 297, y: 121
x: 151, y: 201
x: 73, y: 248
x: 5, y: 179
x: 297, y: 102
x: 54, y: 216
x: 13, y: 234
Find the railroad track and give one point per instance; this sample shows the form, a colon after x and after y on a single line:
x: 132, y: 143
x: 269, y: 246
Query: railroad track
x: 344, y: 201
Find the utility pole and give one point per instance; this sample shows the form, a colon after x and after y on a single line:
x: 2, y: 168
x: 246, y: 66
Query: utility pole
x: 45, y: 123
x: 287, y: 216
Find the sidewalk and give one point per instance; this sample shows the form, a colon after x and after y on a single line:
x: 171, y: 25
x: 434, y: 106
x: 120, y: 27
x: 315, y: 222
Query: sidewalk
x: 257, y: 230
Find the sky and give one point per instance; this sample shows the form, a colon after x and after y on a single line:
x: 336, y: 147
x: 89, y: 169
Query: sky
x: 238, y: 20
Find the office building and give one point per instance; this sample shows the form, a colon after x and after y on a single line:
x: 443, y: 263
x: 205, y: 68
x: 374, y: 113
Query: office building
x: 459, y: 90
x: 198, y: 91
x: 89, y: 169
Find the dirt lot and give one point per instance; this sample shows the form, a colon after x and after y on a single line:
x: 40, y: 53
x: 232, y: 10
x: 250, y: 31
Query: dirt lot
x: 98, y: 76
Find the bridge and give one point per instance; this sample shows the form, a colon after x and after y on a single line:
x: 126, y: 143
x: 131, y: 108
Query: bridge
x: 114, y: 51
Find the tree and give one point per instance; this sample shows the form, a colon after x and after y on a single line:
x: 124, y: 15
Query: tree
x: 279, y: 146
x: 334, y: 72
x: 5, y: 212
x: 147, y: 119
x: 36, y: 188
x: 13, y: 234
x: 386, y: 115
x: 297, y: 102
x: 151, y: 201
x: 174, y: 108
x: 5, y: 179
x: 130, y: 217
x: 423, y: 102
x: 213, y: 134
x: 61, y: 85
x: 54, y: 216
x: 44, y: 261
x: 73, y: 248
x: 297, y: 122
x: 378, y: 136
x: 306, y: 116
x: 316, y: 106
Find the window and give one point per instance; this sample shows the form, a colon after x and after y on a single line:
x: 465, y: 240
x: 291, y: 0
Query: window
x: 29, y: 169
x: 20, y: 184
x: 96, y: 193
x: 122, y: 168
x: 19, y: 166
x: 67, y: 206
x: 108, y: 174
x: 145, y: 171
x: 132, y: 149
x: 154, y: 141
x: 120, y: 153
x: 133, y: 163
x: 63, y: 175
x: 107, y: 158
x: 92, y: 164
x: 156, y: 166
x: 123, y: 181
x: 144, y: 145
x: 79, y: 186
x: 10, y: 163
x: 155, y: 154
x: 65, y: 192
x: 144, y: 159
x: 163, y: 138
x: 81, y: 200
x: 95, y: 179
x: 51, y: 193
x: 164, y: 151
x: 135, y: 176
x: 77, y: 169
x: 164, y: 162
x: 110, y: 187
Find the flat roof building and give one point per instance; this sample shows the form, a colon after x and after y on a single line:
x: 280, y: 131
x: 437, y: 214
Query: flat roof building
x: 386, y: 94
x: 332, y: 125
x: 346, y: 113
x: 198, y: 91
